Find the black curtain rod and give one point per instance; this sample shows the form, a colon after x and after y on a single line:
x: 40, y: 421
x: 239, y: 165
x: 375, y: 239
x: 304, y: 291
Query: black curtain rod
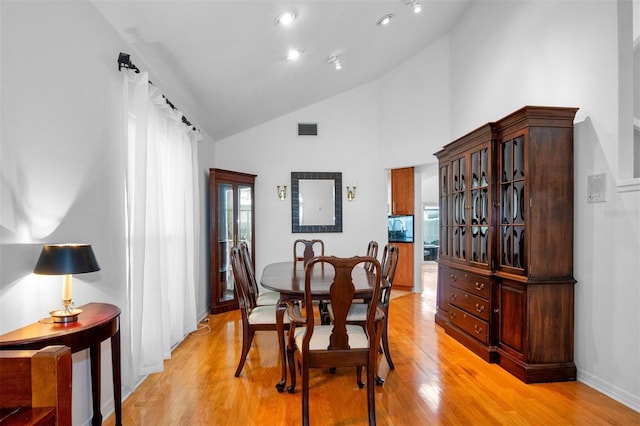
x: 124, y: 61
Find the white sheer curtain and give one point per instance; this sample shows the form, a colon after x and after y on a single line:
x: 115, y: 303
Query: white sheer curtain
x: 163, y: 224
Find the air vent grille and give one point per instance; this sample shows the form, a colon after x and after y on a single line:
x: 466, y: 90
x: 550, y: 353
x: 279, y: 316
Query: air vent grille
x: 307, y: 129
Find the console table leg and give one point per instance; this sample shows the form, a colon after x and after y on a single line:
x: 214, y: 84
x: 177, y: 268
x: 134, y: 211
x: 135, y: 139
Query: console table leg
x: 117, y: 386
x: 94, y: 353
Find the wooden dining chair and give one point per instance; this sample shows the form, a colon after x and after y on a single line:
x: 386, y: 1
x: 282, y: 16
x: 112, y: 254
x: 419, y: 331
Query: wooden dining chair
x: 338, y: 344
x: 36, y: 386
x: 304, y: 250
x: 254, y: 317
x: 358, y: 311
x: 260, y: 298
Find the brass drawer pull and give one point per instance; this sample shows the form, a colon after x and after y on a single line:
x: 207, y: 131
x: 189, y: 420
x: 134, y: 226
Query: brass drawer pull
x: 479, y: 286
x: 477, y: 329
x: 479, y: 307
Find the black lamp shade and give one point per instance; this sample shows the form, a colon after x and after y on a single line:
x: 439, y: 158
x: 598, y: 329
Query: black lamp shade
x: 63, y: 259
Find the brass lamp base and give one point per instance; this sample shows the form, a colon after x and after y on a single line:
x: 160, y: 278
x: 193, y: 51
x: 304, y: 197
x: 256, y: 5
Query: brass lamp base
x: 65, y: 315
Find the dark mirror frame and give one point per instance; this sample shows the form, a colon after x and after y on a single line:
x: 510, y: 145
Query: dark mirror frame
x: 295, y: 204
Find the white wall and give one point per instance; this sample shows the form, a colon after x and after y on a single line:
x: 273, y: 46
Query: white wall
x: 414, y: 105
x: 62, y: 167
x: 347, y: 142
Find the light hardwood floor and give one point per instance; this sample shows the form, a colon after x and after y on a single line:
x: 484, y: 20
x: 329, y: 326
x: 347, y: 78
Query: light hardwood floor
x: 436, y: 381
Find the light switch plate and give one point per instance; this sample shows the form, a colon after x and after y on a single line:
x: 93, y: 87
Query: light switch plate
x: 597, y: 188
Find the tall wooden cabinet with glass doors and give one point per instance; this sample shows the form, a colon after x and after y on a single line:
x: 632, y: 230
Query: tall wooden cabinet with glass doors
x: 464, y: 299
x: 231, y: 221
x: 505, y: 282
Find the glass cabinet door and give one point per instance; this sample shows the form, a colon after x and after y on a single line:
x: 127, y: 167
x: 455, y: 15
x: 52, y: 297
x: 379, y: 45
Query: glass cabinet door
x: 459, y: 219
x: 512, y: 204
x: 245, y: 215
x: 226, y: 240
x: 466, y: 207
x: 480, y: 212
x: 444, y: 211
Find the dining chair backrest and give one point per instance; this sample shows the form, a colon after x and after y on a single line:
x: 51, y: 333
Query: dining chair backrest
x: 389, y: 262
x: 372, y: 251
x: 338, y: 344
x: 305, y: 250
x: 238, y: 266
x: 341, y: 296
x: 250, y: 272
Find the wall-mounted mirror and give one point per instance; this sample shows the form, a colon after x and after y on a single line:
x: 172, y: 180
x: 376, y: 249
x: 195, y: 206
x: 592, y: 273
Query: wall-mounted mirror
x: 316, y: 202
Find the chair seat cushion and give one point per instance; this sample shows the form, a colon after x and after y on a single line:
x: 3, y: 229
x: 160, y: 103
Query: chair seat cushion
x: 358, y: 313
x: 321, y: 333
x: 264, y: 315
x: 268, y: 297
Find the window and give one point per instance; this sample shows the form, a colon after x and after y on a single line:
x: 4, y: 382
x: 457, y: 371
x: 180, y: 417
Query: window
x: 431, y: 217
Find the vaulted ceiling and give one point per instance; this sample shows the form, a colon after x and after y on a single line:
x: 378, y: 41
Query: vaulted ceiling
x: 223, y: 63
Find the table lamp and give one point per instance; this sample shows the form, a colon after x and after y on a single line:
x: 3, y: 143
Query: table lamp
x: 66, y: 259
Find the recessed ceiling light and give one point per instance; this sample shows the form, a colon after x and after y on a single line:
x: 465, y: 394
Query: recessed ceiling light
x: 385, y: 19
x: 293, y: 54
x: 286, y: 18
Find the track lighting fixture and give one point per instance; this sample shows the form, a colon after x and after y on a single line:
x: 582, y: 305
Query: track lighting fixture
x: 385, y: 20
x: 333, y: 59
x: 285, y: 19
x: 415, y: 5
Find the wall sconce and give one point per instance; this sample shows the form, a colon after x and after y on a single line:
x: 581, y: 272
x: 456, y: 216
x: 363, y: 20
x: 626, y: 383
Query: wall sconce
x: 351, y: 193
x: 66, y: 259
x: 282, y: 192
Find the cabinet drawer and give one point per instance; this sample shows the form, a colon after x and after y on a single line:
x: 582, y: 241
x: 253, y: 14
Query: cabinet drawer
x: 469, y: 323
x: 471, y: 283
x: 470, y: 303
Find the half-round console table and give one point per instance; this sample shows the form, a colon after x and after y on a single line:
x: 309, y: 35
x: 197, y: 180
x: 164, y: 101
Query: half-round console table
x: 96, y: 323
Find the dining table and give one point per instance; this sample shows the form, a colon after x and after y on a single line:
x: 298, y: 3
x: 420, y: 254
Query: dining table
x: 288, y: 279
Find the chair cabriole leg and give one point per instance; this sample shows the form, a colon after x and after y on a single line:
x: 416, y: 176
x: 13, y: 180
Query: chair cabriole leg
x: 385, y: 346
x: 247, y: 338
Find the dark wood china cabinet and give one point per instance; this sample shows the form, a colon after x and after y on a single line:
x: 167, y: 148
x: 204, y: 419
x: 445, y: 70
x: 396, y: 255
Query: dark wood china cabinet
x: 505, y: 272
x: 231, y: 221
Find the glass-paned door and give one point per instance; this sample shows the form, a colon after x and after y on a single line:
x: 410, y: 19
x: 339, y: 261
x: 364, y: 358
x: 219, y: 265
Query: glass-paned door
x: 458, y: 209
x: 512, y: 203
x: 480, y: 211
x: 226, y: 240
x: 245, y: 215
x: 444, y: 211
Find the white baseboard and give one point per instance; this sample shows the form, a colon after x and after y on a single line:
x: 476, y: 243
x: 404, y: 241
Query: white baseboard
x: 620, y: 395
